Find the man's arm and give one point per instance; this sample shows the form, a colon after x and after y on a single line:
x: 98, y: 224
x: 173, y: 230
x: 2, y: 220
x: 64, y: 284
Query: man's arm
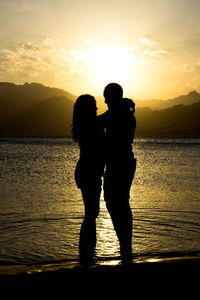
x: 130, y: 103
x: 103, y: 119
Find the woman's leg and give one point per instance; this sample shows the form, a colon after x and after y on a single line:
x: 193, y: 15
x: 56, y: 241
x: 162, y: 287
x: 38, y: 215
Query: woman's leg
x: 87, y: 242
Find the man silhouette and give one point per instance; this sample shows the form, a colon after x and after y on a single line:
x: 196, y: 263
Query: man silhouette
x: 119, y: 123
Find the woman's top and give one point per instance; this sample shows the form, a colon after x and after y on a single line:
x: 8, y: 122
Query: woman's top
x: 90, y: 167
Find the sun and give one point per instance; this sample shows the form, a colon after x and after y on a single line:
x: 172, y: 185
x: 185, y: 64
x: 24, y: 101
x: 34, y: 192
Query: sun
x: 97, y: 64
x: 109, y: 63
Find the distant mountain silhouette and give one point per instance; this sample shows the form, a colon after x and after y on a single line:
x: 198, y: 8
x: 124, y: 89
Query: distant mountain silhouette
x: 36, y: 110
x: 188, y: 99
x: 15, y: 99
x: 51, y: 117
x: 177, y: 120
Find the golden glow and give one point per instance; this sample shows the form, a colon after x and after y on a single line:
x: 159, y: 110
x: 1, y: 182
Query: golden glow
x: 109, y: 64
x: 98, y: 64
x: 150, y: 47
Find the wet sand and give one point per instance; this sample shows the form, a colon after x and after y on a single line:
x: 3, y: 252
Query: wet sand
x: 166, y: 278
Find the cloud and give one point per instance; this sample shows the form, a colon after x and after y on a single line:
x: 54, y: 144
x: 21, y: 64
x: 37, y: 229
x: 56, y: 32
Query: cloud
x: 30, y: 47
x: 89, y: 41
x: 186, y: 68
x: 50, y: 63
x: 156, y: 53
x: 150, y: 50
x: 198, y: 67
x: 52, y: 43
x: 147, y: 41
x: 46, y: 62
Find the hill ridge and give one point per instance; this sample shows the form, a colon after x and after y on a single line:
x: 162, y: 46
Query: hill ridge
x: 33, y: 109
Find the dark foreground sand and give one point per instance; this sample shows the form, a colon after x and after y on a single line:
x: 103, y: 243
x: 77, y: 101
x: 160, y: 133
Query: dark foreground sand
x: 174, y: 278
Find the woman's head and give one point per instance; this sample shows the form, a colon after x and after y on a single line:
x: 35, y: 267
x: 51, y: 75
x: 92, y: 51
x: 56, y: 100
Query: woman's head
x: 84, y: 115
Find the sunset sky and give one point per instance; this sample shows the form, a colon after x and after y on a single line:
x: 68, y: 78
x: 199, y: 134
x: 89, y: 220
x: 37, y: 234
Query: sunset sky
x: 150, y: 47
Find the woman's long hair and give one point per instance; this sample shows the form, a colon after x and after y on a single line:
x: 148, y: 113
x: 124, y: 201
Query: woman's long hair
x: 83, y: 116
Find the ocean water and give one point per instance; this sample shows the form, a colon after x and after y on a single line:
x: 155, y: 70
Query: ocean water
x: 41, y: 209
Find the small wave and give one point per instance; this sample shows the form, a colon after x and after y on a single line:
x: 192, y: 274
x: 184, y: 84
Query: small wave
x: 136, y: 257
x: 37, y: 140
x: 34, y: 220
x: 166, y: 254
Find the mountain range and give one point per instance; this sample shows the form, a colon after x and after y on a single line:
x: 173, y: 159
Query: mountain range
x: 36, y: 110
x: 188, y: 99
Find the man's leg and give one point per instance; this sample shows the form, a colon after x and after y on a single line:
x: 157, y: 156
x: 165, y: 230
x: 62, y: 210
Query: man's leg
x: 117, y: 184
x: 121, y: 215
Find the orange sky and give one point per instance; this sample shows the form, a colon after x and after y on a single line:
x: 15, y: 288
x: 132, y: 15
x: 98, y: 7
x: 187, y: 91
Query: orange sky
x: 150, y: 47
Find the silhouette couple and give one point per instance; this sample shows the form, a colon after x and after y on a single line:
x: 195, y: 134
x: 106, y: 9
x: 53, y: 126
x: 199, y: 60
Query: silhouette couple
x: 105, y: 143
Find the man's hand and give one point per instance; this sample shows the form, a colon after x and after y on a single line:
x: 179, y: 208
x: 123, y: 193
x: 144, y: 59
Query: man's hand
x: 130, y: 104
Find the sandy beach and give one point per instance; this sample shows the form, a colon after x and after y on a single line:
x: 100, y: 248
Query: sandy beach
x: 166, y: 278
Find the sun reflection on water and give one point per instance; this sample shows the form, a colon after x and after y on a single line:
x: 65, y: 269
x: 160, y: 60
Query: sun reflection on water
x: 107, y: 242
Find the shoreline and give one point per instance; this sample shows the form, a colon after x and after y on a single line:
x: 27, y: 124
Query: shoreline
x: 115, y: 261
x: 165, y: 278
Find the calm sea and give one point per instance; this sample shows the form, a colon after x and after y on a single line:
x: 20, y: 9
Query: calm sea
x: 41, y: 209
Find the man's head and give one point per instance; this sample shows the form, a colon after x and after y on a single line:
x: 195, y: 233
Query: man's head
x: 113, y: 94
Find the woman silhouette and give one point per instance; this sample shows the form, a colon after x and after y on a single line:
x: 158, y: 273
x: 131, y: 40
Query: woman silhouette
x: 89, y: 170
